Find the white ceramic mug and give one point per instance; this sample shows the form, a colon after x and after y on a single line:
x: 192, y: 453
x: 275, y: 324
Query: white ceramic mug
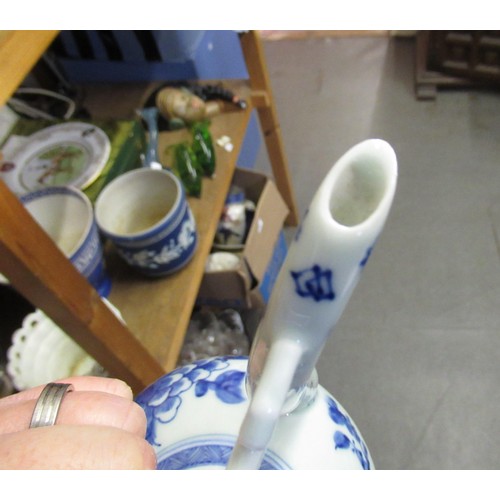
x: 66, y: 215
x: 145, y: 213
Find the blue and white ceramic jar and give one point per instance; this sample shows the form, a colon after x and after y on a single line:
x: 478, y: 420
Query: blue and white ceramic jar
x: 194, y: 415
x: 66, y: 215
x: 146, y: 214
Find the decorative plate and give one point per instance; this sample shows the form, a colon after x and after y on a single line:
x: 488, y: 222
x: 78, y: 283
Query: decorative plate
x: 69, y: 154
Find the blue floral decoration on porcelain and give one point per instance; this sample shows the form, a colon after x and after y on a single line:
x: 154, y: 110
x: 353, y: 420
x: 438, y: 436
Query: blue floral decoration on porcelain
x: 364, y: 261
x: 209, y: 451
x: 170, y: 256
x: 350, y: 438
x: 162, y: 400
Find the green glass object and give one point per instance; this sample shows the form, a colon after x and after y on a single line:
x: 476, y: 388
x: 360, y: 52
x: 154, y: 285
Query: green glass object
x: 188, y: 170
x: 203, y: 147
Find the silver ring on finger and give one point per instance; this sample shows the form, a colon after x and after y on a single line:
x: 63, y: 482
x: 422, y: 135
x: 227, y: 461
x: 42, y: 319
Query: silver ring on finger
x: 48, y: 404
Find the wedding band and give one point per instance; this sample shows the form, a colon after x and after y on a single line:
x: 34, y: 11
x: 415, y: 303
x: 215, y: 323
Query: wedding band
x: 48, y: 403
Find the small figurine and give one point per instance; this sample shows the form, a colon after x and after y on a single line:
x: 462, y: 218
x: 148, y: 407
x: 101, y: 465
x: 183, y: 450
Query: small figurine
x: 181, y: 107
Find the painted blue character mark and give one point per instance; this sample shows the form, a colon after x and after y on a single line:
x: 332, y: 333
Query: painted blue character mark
x: 315, y: 283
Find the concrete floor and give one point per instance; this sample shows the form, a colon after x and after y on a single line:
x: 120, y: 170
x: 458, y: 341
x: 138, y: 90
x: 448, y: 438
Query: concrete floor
x: 415, y: 359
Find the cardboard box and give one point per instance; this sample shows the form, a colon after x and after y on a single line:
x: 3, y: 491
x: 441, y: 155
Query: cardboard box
x: 250, y: 285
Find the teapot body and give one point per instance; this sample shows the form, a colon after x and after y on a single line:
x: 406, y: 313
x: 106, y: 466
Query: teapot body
x: 194, y: 415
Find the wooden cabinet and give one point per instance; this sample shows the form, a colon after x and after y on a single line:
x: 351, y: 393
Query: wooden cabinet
x: 454, y: 59
x: 156, y: 312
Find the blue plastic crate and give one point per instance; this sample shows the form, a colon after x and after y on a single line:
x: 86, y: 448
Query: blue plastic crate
x: 142, y: 56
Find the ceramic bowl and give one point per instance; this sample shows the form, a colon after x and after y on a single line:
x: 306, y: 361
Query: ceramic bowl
x: 145, y: 213
x: 194, y: 414
x: 66, y: 215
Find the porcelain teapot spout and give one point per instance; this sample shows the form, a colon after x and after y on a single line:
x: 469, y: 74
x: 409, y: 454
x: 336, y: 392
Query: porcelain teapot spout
x: 322, y: 268
x: 268, y: 410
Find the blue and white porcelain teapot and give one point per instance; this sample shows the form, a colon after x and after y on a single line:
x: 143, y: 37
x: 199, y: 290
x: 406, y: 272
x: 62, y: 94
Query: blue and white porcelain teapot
x: 268, y: 411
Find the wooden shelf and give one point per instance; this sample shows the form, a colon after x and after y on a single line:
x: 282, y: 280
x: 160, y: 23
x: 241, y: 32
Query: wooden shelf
x: 157, y: 311
x: 19, y: 51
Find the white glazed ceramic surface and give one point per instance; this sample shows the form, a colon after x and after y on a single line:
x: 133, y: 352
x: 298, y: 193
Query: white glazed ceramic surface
x: 41, y: 352
x: 67, y: 154
x: 322, y: 268
x: 194, y: 415
x: 145, y: 213
x: 329, y: 252
x: 66, y: 215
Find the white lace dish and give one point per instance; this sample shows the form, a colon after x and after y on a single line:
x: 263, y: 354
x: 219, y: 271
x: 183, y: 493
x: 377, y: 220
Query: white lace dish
x: 41, y: 352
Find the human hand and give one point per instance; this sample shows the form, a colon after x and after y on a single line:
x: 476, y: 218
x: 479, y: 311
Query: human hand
x: 99, y: 426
